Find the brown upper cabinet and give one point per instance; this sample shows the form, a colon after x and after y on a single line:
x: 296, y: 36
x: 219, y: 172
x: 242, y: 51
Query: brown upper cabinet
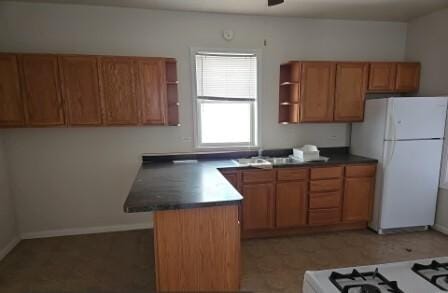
x: 382, y: 77
x: 408, y: 77
x: 80, y: 89
x: 11, y: 103
x: 41, y: 90
x: 391, y: 77
x: 118, y: 83
x: 335, y: 91
x: 152, y: 83
x: 351, y: 86
x: 87, y: 90
x: 317, y: 91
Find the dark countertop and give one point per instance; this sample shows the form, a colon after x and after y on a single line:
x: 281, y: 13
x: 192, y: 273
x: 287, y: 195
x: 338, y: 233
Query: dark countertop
x: 163, y: 185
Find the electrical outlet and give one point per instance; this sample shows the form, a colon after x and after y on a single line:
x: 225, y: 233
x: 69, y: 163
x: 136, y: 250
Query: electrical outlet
x: 333, y: 137
x: 186, y: 139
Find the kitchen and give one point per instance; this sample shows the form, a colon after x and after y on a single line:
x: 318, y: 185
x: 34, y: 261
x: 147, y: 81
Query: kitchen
x: 91, y: 170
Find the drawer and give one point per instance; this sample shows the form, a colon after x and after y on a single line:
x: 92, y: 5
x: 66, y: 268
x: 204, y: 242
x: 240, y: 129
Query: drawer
x: 360, y: 171
x: 258, y: 176
x: 327, y: 172
x: 326, y: 185
x: 324, y: 200
x: 292, y: 174
x: 324, y: 216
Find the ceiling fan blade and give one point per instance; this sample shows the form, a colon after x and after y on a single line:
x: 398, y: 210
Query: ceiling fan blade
x: 275, y: 2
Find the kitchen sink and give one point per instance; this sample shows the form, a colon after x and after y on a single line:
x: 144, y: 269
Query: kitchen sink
x: 254, y: 162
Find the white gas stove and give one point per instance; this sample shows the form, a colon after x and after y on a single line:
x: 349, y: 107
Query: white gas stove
x: 419, y: 276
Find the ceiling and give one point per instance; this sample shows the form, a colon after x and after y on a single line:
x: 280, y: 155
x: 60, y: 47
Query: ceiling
x: 389, y: 10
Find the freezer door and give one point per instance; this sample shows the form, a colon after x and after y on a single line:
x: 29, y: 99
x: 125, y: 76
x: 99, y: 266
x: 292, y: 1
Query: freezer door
x: 416, y: 118
x: 410, y: 183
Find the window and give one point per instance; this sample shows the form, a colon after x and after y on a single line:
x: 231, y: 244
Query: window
x: 226, y: 99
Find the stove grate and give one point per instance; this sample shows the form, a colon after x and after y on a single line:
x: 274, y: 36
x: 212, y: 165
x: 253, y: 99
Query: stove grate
x: 432, y: 275
x: 361, y: 281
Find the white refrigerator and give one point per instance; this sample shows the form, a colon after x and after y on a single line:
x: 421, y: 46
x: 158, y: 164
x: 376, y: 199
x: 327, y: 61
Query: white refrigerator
x: 406, y: 135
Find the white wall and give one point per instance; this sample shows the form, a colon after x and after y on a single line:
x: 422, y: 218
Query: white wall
x: 8, y: 231
x: 427, y: 42
x: 77, y: 178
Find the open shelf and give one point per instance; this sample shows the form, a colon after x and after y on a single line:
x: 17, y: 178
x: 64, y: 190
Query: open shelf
x: 286, y: 83
x: 289, y: 90
x: 288, y: 115
x: 288, y: 103
x: 172, y: 92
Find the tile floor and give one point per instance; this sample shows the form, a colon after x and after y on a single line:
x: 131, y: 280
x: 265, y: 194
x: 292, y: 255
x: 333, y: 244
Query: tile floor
x: 123, y: 262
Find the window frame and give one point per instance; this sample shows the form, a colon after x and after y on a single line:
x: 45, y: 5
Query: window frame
x: 255, y: 105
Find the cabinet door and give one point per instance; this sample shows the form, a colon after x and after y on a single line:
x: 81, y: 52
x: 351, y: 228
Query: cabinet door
x: 351, y: 86
x: 80, y: 89
x: 119, y: 92
x: 41, y: 90
x: 11, y: 103
x: 317, y: 92
x: 382, y: 77
x: 258, y: 206
x: 151, y: 75
x: 292, y: 204
x: 408, y: 77
x: 358, y: 194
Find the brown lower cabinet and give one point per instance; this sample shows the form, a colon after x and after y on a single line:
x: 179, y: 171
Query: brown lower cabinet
x: 291, y: 204
x: 295, y: 200
x: 358, y: 194
x: 184, y: 266
x: 258, y: 206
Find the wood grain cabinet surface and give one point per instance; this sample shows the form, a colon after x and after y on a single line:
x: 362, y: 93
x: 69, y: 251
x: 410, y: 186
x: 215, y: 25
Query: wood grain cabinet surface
x: 382, y: 76
x: 351, y: 86
x: 389, y: 77
x: 317, y: 91
x: 408, y: 77
x: 287, y: 201
x: 152, y: 85
x: 11, y: 104
x: 258, y: 206
x: 49, y: 90
x: 359, y: 188
x: 184, y: 266
x: 291, y: 204
x: 80, y: 89
x: 42, y: 90
x: 118, y: 82
x: 335, y: 91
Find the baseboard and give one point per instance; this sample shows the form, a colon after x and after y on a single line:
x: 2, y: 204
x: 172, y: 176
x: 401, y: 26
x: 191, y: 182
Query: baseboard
x: 440, y: 228
x: 10, y: 246
x: 90, y: 230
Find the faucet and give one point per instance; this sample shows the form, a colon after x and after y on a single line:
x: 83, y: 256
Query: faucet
x: 260, y: 152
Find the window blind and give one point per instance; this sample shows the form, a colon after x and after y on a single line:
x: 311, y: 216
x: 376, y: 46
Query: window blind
x: 226, y: 76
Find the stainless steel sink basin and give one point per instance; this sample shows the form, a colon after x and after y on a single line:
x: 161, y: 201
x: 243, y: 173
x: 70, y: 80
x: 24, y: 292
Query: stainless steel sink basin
x: 254, y: 162
x: 281, y: 161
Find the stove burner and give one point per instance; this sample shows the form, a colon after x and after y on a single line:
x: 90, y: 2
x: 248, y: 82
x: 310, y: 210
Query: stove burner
x: 436, y: 273
x: 363, y: 288
x: 367, y: 282
x: 369, y: 289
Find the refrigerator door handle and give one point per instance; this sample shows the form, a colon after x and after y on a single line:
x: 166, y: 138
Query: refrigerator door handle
x: 393, y: 132
x: 392, y: 127
x: 391, y: 151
